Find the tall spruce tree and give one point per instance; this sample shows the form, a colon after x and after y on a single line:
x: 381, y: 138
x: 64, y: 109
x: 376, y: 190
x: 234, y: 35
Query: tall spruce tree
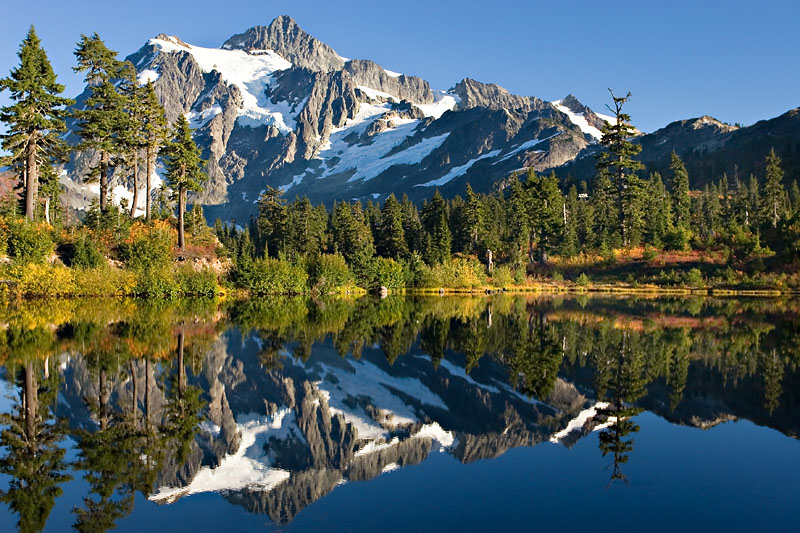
x: 435, y: 219
x: 35, y: 119
x: 474, y: 219
x: 102, y: 120
x: 679, y: 187
x: 156, y: 131
x: 658, y: 211
x: 392, y: 238
x: 570, y: 245
x: 772, y: 206
x: 184, y: 169
x: 618, y: 161
x: 133, y: 137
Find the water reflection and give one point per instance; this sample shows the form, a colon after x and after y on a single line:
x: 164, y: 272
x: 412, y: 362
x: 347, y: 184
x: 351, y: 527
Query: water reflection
x: 274, y: 403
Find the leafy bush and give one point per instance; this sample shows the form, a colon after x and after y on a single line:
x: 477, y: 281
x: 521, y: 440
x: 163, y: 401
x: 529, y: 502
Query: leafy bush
x: 458, y: 273
x: 649, y: 253
x: 104, y: 281
x: 694, y: 278
x: 387, y: 273
x: 156, y: 283
x: 329, y: 272
x: 149, y: 245
x: 29, y: 242
x: 193, y: 283
x: 81, y: 252
x: 41, y: 280
x: 557, y: 276
x: 583, y: 280
x: 520, y: 276
x: 271, y: 276
x: 503, y: 277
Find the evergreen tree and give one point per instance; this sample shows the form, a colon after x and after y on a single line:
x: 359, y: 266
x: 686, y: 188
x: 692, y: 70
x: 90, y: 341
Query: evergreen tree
x: 772, y: 206
x: 569, y: 243
x: 679, y: 186
x: 412, y: 225
x: 606, y: 214
x: 658, y: 212
x: 474, y: 218
x: 392, y: 241
x: 133, y: 137
x: 621, y: 167
x: 184, y: 169
x: 35, y: 119
x: 102, y: 119
x: 272, y: 222
x: 585, y: 216
x: 435, y: 220
x: 156, y: 131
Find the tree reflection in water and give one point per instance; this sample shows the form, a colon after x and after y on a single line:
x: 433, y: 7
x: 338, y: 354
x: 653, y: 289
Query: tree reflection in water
x: 151, y: 393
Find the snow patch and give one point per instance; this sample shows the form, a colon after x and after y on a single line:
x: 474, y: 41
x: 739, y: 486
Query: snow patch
x: 251, y: 72
x: 459, y: 171
x: 247, y: 468
x: 435, y: 432
x: 579, y: 120
x: 392, y: 73
x: 442, y: 103
x: 147, y: 76
x: 198, y: 119
x: 579, y: 421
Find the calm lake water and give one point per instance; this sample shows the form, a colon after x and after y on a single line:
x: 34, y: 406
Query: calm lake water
x: 497, y: 413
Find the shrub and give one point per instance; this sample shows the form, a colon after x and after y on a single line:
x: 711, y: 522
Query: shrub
x: 583, y: 280
x: 81, y: 252
x: 694, y: 278
x: 387, y: 273
x: 193, y: 283
x: 149, y: 245
x: 329, y: 272
x: 677, y: 239
x: 503, y: 277
x: 29, y: 242
x: 104, y: 281
x: 649, y: 253
x: 156, y: 283
x: 557, y: 276
x: 458, y: 273
x: 42, y: 280
x: 271, y: 276
x: 520, y: 276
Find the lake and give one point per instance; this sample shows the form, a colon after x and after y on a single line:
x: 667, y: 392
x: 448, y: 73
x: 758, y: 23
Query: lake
x: 490, y: 413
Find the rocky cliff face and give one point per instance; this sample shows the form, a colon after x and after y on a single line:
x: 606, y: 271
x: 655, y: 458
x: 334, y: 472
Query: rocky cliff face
x: 275, y: 106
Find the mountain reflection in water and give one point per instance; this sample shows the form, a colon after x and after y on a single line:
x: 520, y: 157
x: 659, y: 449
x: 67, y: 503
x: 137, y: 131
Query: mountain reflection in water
x: 274, y: 403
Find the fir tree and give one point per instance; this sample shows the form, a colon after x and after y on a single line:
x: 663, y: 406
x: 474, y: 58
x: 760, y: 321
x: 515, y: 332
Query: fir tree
x: 474, y: 217
x: 679, y: 187
x: 272, y: 222
x: 435, y: 220
x: 156, y: 130
x: 621, y: 167
x: 102, y: 120
x: 35, y: 119
x: 569, y: 243
x: 658, y: 212
x: 606, y: 214
x: 392, y: 241
x: 585, y: 216
x: 184, y: 169
x: 773, y: 197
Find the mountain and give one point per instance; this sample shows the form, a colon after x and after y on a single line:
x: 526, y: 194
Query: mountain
x: 710, y: 148
x: 275, y: 106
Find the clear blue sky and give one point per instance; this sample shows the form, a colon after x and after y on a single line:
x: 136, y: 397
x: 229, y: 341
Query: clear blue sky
x: 735, y: 60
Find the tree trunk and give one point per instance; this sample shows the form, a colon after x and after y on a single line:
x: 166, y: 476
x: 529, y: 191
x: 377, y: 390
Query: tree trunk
x: 181, y: 371
x: 135, y: 182
x: 135, y: 401
x: 148, y: 156
x: 47, y: 209
x: 181, y: 210
x: 147, y: 405
x: 30, y: 403
x: 103, y: 397
x: 31, y: 180
x: 104, y: 164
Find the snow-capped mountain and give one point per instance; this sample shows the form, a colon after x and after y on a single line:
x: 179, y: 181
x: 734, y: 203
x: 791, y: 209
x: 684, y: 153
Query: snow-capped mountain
x: 275, y: 106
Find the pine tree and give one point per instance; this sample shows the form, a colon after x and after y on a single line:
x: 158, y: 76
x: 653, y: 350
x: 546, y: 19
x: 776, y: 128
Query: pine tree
x: 569, y: 242
x: 474, y: 219
x: 606, y: 214
x: 658, y: 212
x: 184, y: 169
x: 156, y: 131
x: 272, y: 222
x: 392, y: 241
x: 102, y: 120
x: 133, y: 137
x: 772, y: 207
x: 679, y: 187
x: 621, y: 167
x: 435, y: 220
x: 35, y: 119
x: 585, y: 217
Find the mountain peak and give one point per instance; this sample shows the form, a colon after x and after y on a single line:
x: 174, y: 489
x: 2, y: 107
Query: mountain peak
x: 286, y: 38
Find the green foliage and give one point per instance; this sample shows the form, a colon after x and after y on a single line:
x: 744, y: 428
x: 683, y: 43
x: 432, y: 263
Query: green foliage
x: 503, y: 277
x: 148, y: 246
x: 583, y: 280
x: 271, y: 276
x: 328, y: 273
x: 677, y: 238
x: 388, y: 273
x: 457, y: 273
x: 694, y: 278
x: 81, y: 252
x: 29, y: 242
